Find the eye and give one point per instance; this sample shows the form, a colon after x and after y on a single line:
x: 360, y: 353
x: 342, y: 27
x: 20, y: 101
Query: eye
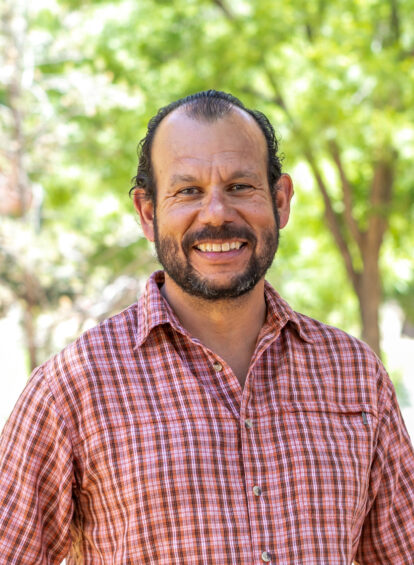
x: 189, y: 191
x: 238, y: 187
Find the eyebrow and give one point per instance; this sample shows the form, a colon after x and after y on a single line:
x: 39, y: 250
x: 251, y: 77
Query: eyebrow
x: 246, y: 173
x: 177, y: 179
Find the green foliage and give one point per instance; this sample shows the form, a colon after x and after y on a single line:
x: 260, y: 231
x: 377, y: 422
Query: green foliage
x: 96, y: 71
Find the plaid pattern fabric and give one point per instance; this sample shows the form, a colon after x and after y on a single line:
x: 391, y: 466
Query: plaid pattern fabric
x: 136, y: 444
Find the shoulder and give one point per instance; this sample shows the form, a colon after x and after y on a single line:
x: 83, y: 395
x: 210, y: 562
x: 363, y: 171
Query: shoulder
x: 347, y: 368
x: 111, y: 338
x: 316, y: 338
x: 91, y: 367
x: 329, y: 340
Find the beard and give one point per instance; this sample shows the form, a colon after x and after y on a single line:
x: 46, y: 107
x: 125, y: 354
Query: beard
x: 191, y: 282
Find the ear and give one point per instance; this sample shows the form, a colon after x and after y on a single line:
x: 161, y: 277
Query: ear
x: 284, y: 193
x: 144, y: 207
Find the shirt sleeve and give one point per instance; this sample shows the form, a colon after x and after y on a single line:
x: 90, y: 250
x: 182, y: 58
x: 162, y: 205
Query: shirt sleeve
x: 388, y: 531
x: 36, y: 475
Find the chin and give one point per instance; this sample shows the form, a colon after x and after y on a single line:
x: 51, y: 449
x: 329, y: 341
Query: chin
x: 209, y: 289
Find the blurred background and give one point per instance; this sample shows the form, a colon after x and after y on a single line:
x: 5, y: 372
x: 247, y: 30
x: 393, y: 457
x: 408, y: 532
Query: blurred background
x: 78, y: 83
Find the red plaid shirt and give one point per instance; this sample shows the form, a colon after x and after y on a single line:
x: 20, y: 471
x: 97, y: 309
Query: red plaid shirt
x: 136, y: 444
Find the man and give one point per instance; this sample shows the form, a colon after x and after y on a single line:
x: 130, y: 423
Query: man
x: 209, y: 424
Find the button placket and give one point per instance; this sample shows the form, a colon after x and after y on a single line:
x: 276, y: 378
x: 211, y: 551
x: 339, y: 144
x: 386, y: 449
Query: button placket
x: 253, y: 472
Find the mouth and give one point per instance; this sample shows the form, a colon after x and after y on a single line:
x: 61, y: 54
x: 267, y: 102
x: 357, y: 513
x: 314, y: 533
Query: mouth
x: 219, y: 247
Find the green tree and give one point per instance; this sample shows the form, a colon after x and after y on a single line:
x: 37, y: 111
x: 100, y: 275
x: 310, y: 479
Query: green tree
x: 81, y: 79
x: 68, y: 250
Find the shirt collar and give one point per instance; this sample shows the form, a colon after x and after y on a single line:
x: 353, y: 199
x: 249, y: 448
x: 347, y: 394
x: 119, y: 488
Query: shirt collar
x: 154, y: 310
x: 279, y: 313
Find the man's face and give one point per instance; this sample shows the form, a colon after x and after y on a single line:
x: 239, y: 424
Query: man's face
x: 215, y: 225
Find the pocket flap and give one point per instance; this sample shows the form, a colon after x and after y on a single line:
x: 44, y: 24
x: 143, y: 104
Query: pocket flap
x: 329, y: 407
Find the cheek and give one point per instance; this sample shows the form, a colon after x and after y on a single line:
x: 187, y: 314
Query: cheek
x: 263, y: 218
x: 259, y: 210
x: 175, y: 220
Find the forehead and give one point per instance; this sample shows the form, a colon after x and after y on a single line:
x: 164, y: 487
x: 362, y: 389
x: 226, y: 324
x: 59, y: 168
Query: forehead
x: 182, y: 141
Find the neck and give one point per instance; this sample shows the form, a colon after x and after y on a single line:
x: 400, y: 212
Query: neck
x: 228, y: 327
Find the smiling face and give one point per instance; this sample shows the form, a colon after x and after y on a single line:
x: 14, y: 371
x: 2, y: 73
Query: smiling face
x: 215, y: 225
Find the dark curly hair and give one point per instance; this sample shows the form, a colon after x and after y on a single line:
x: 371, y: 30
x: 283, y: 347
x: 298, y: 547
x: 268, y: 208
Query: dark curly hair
x: 208, y: 105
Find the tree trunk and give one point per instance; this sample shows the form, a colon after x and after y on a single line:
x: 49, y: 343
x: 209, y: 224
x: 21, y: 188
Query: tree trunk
x: 368, y: 291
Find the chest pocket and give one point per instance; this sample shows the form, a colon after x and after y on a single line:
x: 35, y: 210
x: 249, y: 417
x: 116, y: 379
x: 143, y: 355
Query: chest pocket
x: 331, y: 450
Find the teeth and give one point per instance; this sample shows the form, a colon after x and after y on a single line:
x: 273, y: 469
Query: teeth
x: 235, y: 245
x: 219, y: 247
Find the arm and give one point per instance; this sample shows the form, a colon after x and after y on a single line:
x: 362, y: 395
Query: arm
x: 388, y: 532
x: 36, y: 478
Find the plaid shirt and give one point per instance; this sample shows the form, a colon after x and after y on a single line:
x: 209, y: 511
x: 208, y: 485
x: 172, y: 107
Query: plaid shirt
x: 136, y: 444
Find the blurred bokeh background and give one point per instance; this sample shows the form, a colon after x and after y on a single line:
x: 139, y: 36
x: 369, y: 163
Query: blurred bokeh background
x: 78, y: 83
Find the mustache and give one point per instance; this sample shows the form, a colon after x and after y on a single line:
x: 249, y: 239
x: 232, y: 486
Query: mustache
x: 216, y: 233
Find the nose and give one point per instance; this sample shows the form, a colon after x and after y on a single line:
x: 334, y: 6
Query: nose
x: 216, y: 210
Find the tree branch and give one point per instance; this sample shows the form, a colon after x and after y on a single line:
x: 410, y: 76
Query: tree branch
x: 279, y: 100
x: 333, y: 221
x: 224, y: 9
x: 395, y: 20
x: 346, y: 195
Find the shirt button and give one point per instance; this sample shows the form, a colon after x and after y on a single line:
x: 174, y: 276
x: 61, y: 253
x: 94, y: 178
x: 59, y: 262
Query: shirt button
x: 217, y: 366
x: 248, y: 423
x: 257, y: 490
x: 266, y: 556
